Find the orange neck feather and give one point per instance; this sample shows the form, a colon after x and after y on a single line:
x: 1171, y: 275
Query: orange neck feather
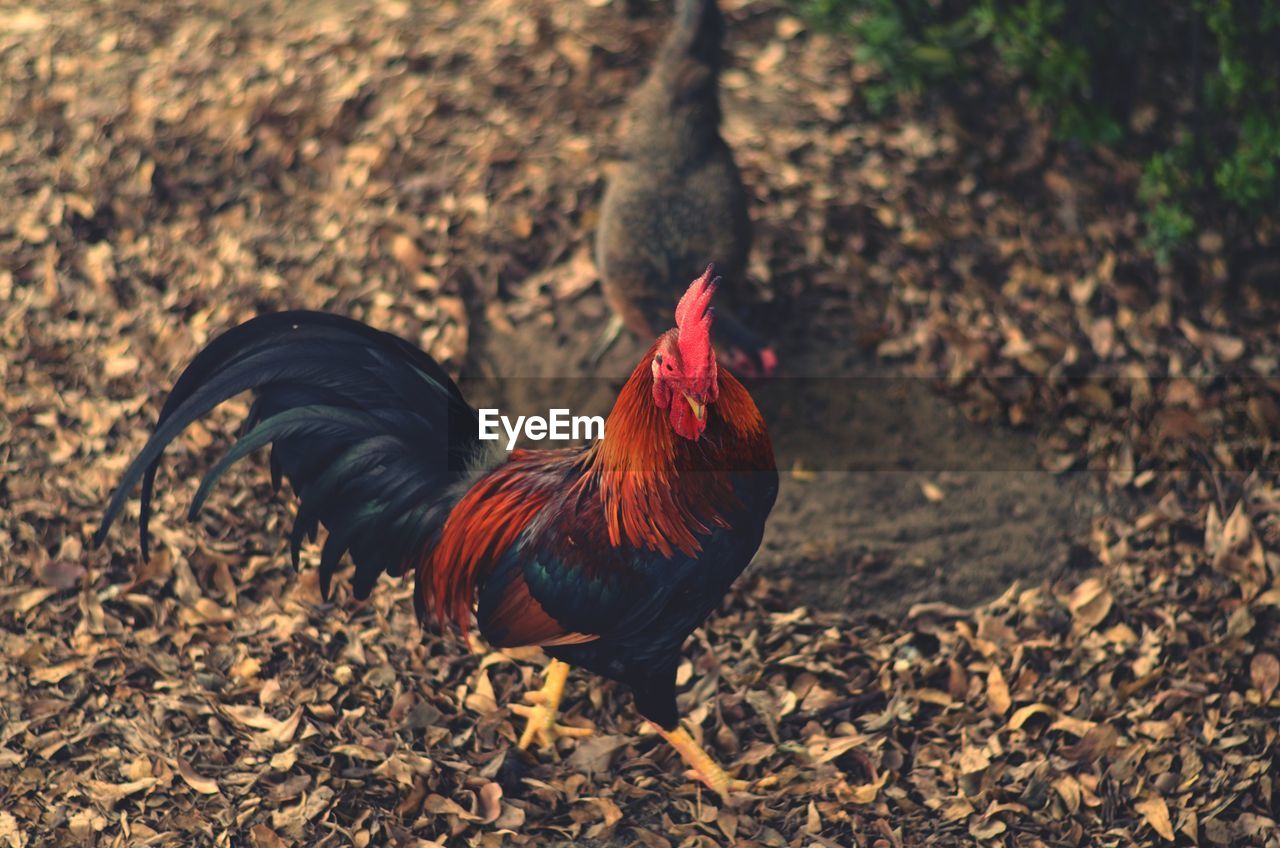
x: 661, y: 490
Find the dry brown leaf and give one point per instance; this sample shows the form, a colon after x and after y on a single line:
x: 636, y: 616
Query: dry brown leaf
x: 109, y: 794
x: 61, y: 574
x: 265, y: 837
x: 998, y: 700
x: 1089, y: 603
x: 973, y: 760
x: 407, y: 253
x: 57, y: 673
x: 1068, y: 788
x: 1023, y: 714
x: 358, y: 752
x: 956, y: 809
x: 576, y: 277
x: 813, y: 819
x: 594, y: 754
x: 988, y: 828
x: 203, y: 785
x: 1237, y: 551
x: 246, y: 669
x: 31, y: 599
x: 866, y: 793
x: 727, y: 821
x: 1264, y: 671
x: 10, y: 835
x: 439, y: 805
x: 481, y: 699
x: 488, y: 803
x: 826, y: 750
x: 1074, y: 726
x: 1094, y: 745
x: 1156, y: 814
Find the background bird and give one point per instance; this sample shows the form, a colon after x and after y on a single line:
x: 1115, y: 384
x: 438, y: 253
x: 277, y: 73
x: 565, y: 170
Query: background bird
x: 607, y: 556
x: 676, y: 198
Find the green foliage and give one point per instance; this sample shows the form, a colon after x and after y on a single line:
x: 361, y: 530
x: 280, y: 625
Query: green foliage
x: 1168, y: 179
x: 1207, y: 74
x: 909, y: 41
x: 1029, y: 38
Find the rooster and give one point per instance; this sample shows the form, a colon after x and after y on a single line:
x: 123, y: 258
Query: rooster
x: 607, y: 556
x: 677, y: 195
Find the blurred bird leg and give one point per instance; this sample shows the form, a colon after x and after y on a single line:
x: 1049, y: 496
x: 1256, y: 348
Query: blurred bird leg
x: 763, y: 364
x: 546, y: 706
x: 607, y: 339
x: 707, y: 769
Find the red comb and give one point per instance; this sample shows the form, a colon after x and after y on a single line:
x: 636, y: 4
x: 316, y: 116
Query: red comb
x: 693, y: 318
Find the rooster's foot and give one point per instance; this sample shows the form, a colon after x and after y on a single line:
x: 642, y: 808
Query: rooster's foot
x: 541, y: 716
x: 702, y: 765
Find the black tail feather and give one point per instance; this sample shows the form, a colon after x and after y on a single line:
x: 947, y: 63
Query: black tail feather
x: 369, y: 431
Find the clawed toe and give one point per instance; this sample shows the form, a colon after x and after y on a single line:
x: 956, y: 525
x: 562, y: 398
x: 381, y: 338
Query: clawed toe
x: 541, y: 726
x: 730, y: 789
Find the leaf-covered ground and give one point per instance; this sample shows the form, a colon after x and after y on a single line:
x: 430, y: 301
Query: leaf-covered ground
x: 171, y: 169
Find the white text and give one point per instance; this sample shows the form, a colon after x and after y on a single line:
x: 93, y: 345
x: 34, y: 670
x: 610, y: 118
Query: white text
x: 558, y: 426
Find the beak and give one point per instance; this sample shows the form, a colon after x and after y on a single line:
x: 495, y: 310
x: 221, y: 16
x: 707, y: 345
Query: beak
x: 699, y: 409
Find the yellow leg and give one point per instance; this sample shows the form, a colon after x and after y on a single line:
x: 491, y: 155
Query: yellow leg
x: 707, y: 769
x: 612, y: 331
x: 546, y: 706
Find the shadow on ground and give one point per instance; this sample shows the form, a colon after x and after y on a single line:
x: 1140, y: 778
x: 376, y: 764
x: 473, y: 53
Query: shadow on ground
x: 889, y: 496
